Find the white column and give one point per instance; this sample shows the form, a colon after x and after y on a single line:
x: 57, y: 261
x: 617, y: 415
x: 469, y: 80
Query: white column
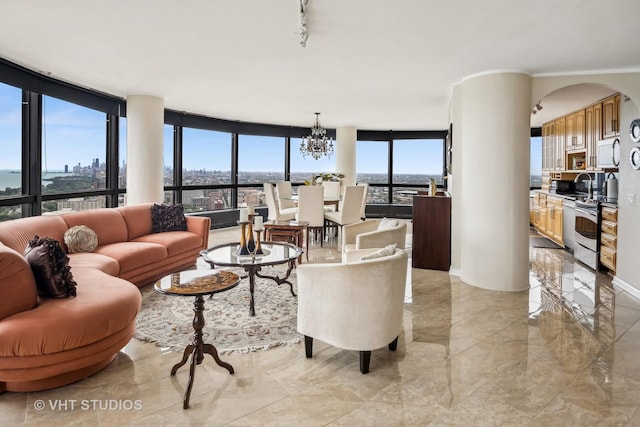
x: 346, y: 153
x: 454, y: 184
x: 493, y: 174
x: 145, y: 146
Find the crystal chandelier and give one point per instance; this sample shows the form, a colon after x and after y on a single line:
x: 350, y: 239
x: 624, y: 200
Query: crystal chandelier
x: 317, y: 144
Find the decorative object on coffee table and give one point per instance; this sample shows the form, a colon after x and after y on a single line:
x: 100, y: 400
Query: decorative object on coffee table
x: 197, y: 283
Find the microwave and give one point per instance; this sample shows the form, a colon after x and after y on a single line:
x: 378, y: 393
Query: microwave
x: 608, y: 154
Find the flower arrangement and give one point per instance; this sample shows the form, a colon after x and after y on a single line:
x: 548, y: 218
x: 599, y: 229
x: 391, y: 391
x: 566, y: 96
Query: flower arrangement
x: 319, y: 178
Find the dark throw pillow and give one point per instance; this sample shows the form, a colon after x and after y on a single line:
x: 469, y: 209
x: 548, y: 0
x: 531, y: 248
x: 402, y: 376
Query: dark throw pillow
x: 167, y: 218
x: 50, y: 265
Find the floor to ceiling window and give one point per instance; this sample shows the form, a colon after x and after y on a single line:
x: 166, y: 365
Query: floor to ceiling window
x: 11, y: 149
x: 372, y: 167
x: 260, y: 159
x: 206, y: 162
x: 535, y: 174
x: 415, y: 163
x: 73, y: 154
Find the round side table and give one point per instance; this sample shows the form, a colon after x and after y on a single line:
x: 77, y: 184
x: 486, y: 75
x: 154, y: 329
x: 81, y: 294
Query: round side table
x: 197, y: 283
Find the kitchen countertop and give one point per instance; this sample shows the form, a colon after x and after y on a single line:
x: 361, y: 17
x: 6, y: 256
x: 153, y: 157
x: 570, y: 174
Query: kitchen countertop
x: 575, y: 197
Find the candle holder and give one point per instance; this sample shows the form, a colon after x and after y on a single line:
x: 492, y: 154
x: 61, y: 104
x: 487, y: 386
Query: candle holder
x: 251, y: 243
x: 258, y: 246
x: 243, y: 250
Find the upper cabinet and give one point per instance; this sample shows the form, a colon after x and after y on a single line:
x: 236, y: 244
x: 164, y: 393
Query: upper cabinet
x: 570, y: 142
x: 610, y: 112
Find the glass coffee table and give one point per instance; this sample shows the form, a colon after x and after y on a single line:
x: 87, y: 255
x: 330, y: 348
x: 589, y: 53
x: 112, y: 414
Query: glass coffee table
x: 197, y: 283
x: 275, y: 253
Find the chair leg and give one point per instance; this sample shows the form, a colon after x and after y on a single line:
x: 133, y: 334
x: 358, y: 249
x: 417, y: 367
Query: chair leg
x: 393, y: 345
x: 365, y: 358
x: 308, y: 346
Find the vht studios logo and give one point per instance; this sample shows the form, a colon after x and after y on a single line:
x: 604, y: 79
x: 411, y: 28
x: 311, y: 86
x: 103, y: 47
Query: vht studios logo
x: 88, y: 405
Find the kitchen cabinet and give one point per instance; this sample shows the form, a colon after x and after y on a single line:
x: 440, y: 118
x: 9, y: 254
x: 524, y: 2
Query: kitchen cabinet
x: 593, y: 133
x: 574, y: 132
x: 548, y: 147
x: 558, y: 159
x: 609, y: 237
x: 610, y: 113
x: 554, y: 219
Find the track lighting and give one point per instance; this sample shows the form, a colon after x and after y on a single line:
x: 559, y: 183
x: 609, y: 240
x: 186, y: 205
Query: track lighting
x: 537, y: 108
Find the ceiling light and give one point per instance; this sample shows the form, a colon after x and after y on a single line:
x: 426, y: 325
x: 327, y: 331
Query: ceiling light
x: 317, y: 144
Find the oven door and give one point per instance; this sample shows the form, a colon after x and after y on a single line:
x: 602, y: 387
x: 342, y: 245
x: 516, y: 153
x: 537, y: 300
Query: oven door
x: 587, y: 228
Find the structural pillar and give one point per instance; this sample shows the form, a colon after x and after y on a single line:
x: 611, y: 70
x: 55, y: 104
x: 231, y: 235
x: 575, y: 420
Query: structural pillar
x: 493, y: 174
x: 346, y: 137
x: 145, y: 148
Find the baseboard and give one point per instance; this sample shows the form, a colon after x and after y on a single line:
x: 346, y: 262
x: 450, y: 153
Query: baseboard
x: 455, y: 272
x: 626, y: 286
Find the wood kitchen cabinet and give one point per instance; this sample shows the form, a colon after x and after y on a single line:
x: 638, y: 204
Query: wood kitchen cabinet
x: 592, y: 134
x: 610, y: 119
x: 574, y: 131
x: 609, y: 237
x: 559, y: 151
x: 554, y: 219
x: 431, y: 245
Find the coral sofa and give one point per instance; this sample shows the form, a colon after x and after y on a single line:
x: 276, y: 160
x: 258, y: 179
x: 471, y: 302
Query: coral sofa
x: 46, y: 343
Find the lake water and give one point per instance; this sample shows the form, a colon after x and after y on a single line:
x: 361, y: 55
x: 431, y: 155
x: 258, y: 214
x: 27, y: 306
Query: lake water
x: 13, y: 179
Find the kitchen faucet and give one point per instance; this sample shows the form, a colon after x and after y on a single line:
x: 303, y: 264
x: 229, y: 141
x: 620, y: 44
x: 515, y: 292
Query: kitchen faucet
x: 588, y: 176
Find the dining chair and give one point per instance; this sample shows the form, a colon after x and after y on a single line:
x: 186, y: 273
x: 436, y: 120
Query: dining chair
x: 275, y: 213
x: 365, y: 196
x: 311, y: 209
x: 349, y: 212
x: 284, y: 192
x: 331, y: 189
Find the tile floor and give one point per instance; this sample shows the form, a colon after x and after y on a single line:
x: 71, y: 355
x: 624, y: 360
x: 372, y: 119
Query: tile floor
x: 564, y: 353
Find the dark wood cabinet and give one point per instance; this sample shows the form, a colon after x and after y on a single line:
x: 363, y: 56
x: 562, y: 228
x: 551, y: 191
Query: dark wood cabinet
x: 431, y: 247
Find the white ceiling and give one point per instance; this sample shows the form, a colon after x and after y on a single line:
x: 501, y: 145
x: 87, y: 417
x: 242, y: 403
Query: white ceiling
x: 374, y: 64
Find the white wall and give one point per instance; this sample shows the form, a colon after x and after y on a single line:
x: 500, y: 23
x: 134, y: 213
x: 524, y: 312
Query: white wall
x: 493, y: 174
x: 145, y: 147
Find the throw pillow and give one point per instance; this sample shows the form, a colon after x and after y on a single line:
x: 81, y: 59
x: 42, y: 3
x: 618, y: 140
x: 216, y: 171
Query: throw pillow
x: 167, y: 218
x: 386, y: 251
x: 80, y: 239
x: 387, y: 224
x: 50, y: 265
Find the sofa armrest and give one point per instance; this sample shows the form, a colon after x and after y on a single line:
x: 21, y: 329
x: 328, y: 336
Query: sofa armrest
x: 351, y: 231
x: 199, y: 225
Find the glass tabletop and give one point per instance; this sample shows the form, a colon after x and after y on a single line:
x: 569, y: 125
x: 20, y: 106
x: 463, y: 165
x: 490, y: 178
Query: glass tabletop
x: 274, y: 253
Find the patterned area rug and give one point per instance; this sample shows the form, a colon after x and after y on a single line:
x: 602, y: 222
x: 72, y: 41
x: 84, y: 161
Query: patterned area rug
x: 167, y: 320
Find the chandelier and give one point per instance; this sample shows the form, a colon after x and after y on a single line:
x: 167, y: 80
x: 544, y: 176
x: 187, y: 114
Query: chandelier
x: 317, y: 144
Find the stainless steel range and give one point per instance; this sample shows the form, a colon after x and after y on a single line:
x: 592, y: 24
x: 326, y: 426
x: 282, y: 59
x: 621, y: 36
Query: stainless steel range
x: 586, y: 235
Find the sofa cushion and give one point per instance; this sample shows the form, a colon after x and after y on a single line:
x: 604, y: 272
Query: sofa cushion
x: 100, y: 262
x: 16, y: 234
x: 80, y: 239
x: 50, y: 265
x: 167, y: 218
x: 137, y: 218
x: 387, y: 224
x: 132, y: 255
x: 386, y: 251
x: 104, y: 306
x: 106, y: 222
x: 18, y: 290
x: 176, y: 242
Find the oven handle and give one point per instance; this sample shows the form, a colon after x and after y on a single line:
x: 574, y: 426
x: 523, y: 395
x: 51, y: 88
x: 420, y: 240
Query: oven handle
x: 587, y: 212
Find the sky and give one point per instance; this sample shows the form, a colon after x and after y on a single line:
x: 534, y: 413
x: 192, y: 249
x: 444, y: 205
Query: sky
x: 70, y: 125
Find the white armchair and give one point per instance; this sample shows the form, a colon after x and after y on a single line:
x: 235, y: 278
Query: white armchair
x: 356, y: 306
x: 365, y: 235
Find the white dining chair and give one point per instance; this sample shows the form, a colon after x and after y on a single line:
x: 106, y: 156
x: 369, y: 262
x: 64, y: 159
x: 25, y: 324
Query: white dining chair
x: 285, y: 193
x: 365, y: 196
x: 275, y: 213
x: 349, y: 212
x: 311, y: 209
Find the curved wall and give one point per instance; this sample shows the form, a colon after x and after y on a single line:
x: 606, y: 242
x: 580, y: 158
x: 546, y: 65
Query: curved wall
x: 493, y: 176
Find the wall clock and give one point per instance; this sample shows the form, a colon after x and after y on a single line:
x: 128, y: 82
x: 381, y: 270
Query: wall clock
x: 634, y: 130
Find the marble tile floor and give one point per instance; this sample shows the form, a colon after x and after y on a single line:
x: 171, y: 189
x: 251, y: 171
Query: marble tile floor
x: 563, y: 353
